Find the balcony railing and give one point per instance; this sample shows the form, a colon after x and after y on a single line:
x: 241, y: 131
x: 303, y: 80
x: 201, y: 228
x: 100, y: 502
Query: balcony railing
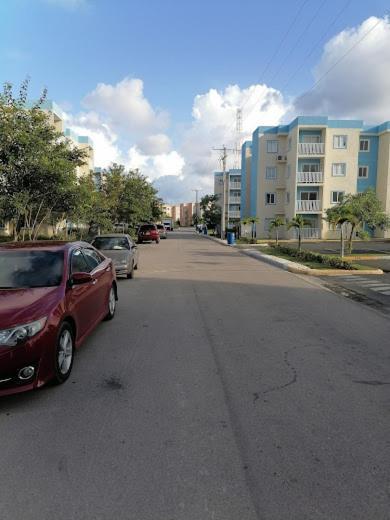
x: 310, y: 177
x: 234, y: 200
x: 307, y: 206
x: 311, y: 148
x: 235, y: 186
x: 234, y: 214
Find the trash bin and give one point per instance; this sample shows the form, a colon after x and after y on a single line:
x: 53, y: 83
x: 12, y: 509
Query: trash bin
x: 231, y: 238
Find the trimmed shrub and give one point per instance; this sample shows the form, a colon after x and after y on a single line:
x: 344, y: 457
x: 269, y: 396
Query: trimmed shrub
x: 309, y: 256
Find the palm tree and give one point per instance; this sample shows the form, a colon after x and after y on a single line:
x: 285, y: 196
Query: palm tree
x: 253, y: 221
x: 298, y: 222
x: 338, y: 216
x: 276, y: 223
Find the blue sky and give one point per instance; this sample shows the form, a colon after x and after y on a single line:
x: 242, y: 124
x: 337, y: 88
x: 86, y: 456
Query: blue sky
x: 178, y: 49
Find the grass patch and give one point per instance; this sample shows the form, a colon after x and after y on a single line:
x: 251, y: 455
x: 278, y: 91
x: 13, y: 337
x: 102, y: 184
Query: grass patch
x: 311, y: 259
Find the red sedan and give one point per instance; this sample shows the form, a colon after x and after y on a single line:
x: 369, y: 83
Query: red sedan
x: 52, y: 295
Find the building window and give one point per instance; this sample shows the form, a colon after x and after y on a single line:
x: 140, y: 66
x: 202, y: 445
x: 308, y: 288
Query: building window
x: 336, y: 196
x: 363, y: 172
x: 339, y: 169
x: 287, y: 197
x: 310, y: 138
x: 272, y: 146
x: 309, y: 195
x: 270, y: 198
x: 270, y: 172
x: 364, y: 145
x: 339, y: 141
x: 310, y: 167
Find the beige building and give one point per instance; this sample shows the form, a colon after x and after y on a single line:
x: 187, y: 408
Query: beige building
x: 307, y: 166
x: 231, y: 197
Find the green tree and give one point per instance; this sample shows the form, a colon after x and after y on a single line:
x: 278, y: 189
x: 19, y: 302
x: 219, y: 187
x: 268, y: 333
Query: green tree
x: 298, y: 223
x: 363, y: 208
x: 275, y: 224
x: 338, y: 216
x: 211, y: 211
x: 37, y: 165
x: 253, y: 221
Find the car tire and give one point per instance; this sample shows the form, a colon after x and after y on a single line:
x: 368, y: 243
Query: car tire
x: 130, y: 274
x: 136, y: 266
x: 64, y: 353
x: 111, y: 304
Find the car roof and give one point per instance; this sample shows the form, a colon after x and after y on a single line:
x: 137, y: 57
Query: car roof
x: 112, y: 235
x: 46, y: 245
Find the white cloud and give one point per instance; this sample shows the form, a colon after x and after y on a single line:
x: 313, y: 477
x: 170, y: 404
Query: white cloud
x: 214, y: 122
x: 155, y: 144
x: 165, y: 164
x: 359, y: 86
x: 125, y: 108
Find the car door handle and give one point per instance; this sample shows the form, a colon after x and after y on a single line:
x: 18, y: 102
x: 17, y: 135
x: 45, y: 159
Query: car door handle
x: 94, y: 281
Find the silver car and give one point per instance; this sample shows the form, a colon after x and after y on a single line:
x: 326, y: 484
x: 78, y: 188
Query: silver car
x: 121, y: 249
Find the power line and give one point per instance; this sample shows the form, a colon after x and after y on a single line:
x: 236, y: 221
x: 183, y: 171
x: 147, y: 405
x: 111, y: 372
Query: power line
x: 292, y: 49
x: 345, y: 54
x: 316, y: 45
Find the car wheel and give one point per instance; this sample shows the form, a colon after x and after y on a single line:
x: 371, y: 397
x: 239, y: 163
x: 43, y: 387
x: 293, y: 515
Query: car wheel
x: 131, y: 273
x: 157, y: 241
x: 64, y: 354
x: 111, y: 304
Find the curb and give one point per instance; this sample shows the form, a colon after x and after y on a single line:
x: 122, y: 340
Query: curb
x: 296, y: 268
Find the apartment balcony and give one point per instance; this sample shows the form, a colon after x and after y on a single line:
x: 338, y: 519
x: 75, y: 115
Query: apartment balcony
x: 234, y: 200
x: 235, y: 186
x: 311, y: 148
x: 234, y: 214
x: 308, y: 206
x: 310, y: 178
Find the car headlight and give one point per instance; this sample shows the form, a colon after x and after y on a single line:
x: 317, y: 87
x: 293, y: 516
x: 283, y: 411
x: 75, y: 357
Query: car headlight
x: 11, y: 337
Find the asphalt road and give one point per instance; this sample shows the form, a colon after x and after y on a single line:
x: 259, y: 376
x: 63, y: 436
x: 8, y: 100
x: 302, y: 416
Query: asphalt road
x: 224, y: 389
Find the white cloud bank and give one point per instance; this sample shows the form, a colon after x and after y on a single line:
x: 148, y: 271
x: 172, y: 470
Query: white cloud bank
x: 126, y: 128
x: 359, y: 87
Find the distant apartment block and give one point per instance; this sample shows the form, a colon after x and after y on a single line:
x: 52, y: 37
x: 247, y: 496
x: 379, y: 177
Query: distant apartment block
x: 229, y: 193
x: 305, y: 167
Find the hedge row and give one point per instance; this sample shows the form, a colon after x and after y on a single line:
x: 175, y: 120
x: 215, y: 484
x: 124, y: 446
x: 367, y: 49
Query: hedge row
x: 308, y: 256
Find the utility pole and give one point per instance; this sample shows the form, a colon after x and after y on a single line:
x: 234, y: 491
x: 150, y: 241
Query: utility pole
x: 223, y: 156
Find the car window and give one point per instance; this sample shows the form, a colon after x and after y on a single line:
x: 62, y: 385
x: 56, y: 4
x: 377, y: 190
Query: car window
x: 78, y: 263
x: 19, y: 269
x: 148, y: 227
x: 110, y: 243
x: 92, y: 258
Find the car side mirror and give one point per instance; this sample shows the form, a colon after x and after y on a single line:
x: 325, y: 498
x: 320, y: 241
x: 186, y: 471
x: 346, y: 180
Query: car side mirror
x: 80, y: 278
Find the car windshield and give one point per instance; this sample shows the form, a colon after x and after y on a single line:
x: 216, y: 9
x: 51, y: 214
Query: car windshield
x: 149, y: 227
x: 111, y: 243
x: 27, y: 269
x: 159, y: 226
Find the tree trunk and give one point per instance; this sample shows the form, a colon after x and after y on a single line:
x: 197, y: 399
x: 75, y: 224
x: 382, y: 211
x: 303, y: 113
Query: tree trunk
x: 277, y: 237
x: 350, y: 239
x: 299, y: 240
x: 342, y: 252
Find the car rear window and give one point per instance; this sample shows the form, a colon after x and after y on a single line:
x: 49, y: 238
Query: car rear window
x: 160, y: 226
x: 148, y: 227
x: 111, y: 243
x: 28, y: 269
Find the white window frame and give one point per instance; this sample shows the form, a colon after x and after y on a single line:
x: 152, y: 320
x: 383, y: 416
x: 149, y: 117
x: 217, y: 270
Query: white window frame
x: 366, y: 168
x: 338, y: 196
x: 268, y: 171
x: 268, y: 195
x: 271, y: 144
x: 368, y: 145
x: 334, y: 165
x: 340, y: 142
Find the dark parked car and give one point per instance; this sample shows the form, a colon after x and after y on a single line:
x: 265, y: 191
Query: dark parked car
x: 52, y: 295
x: 121, y: 249
x: 148, y: 233
x: 162, y: 231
